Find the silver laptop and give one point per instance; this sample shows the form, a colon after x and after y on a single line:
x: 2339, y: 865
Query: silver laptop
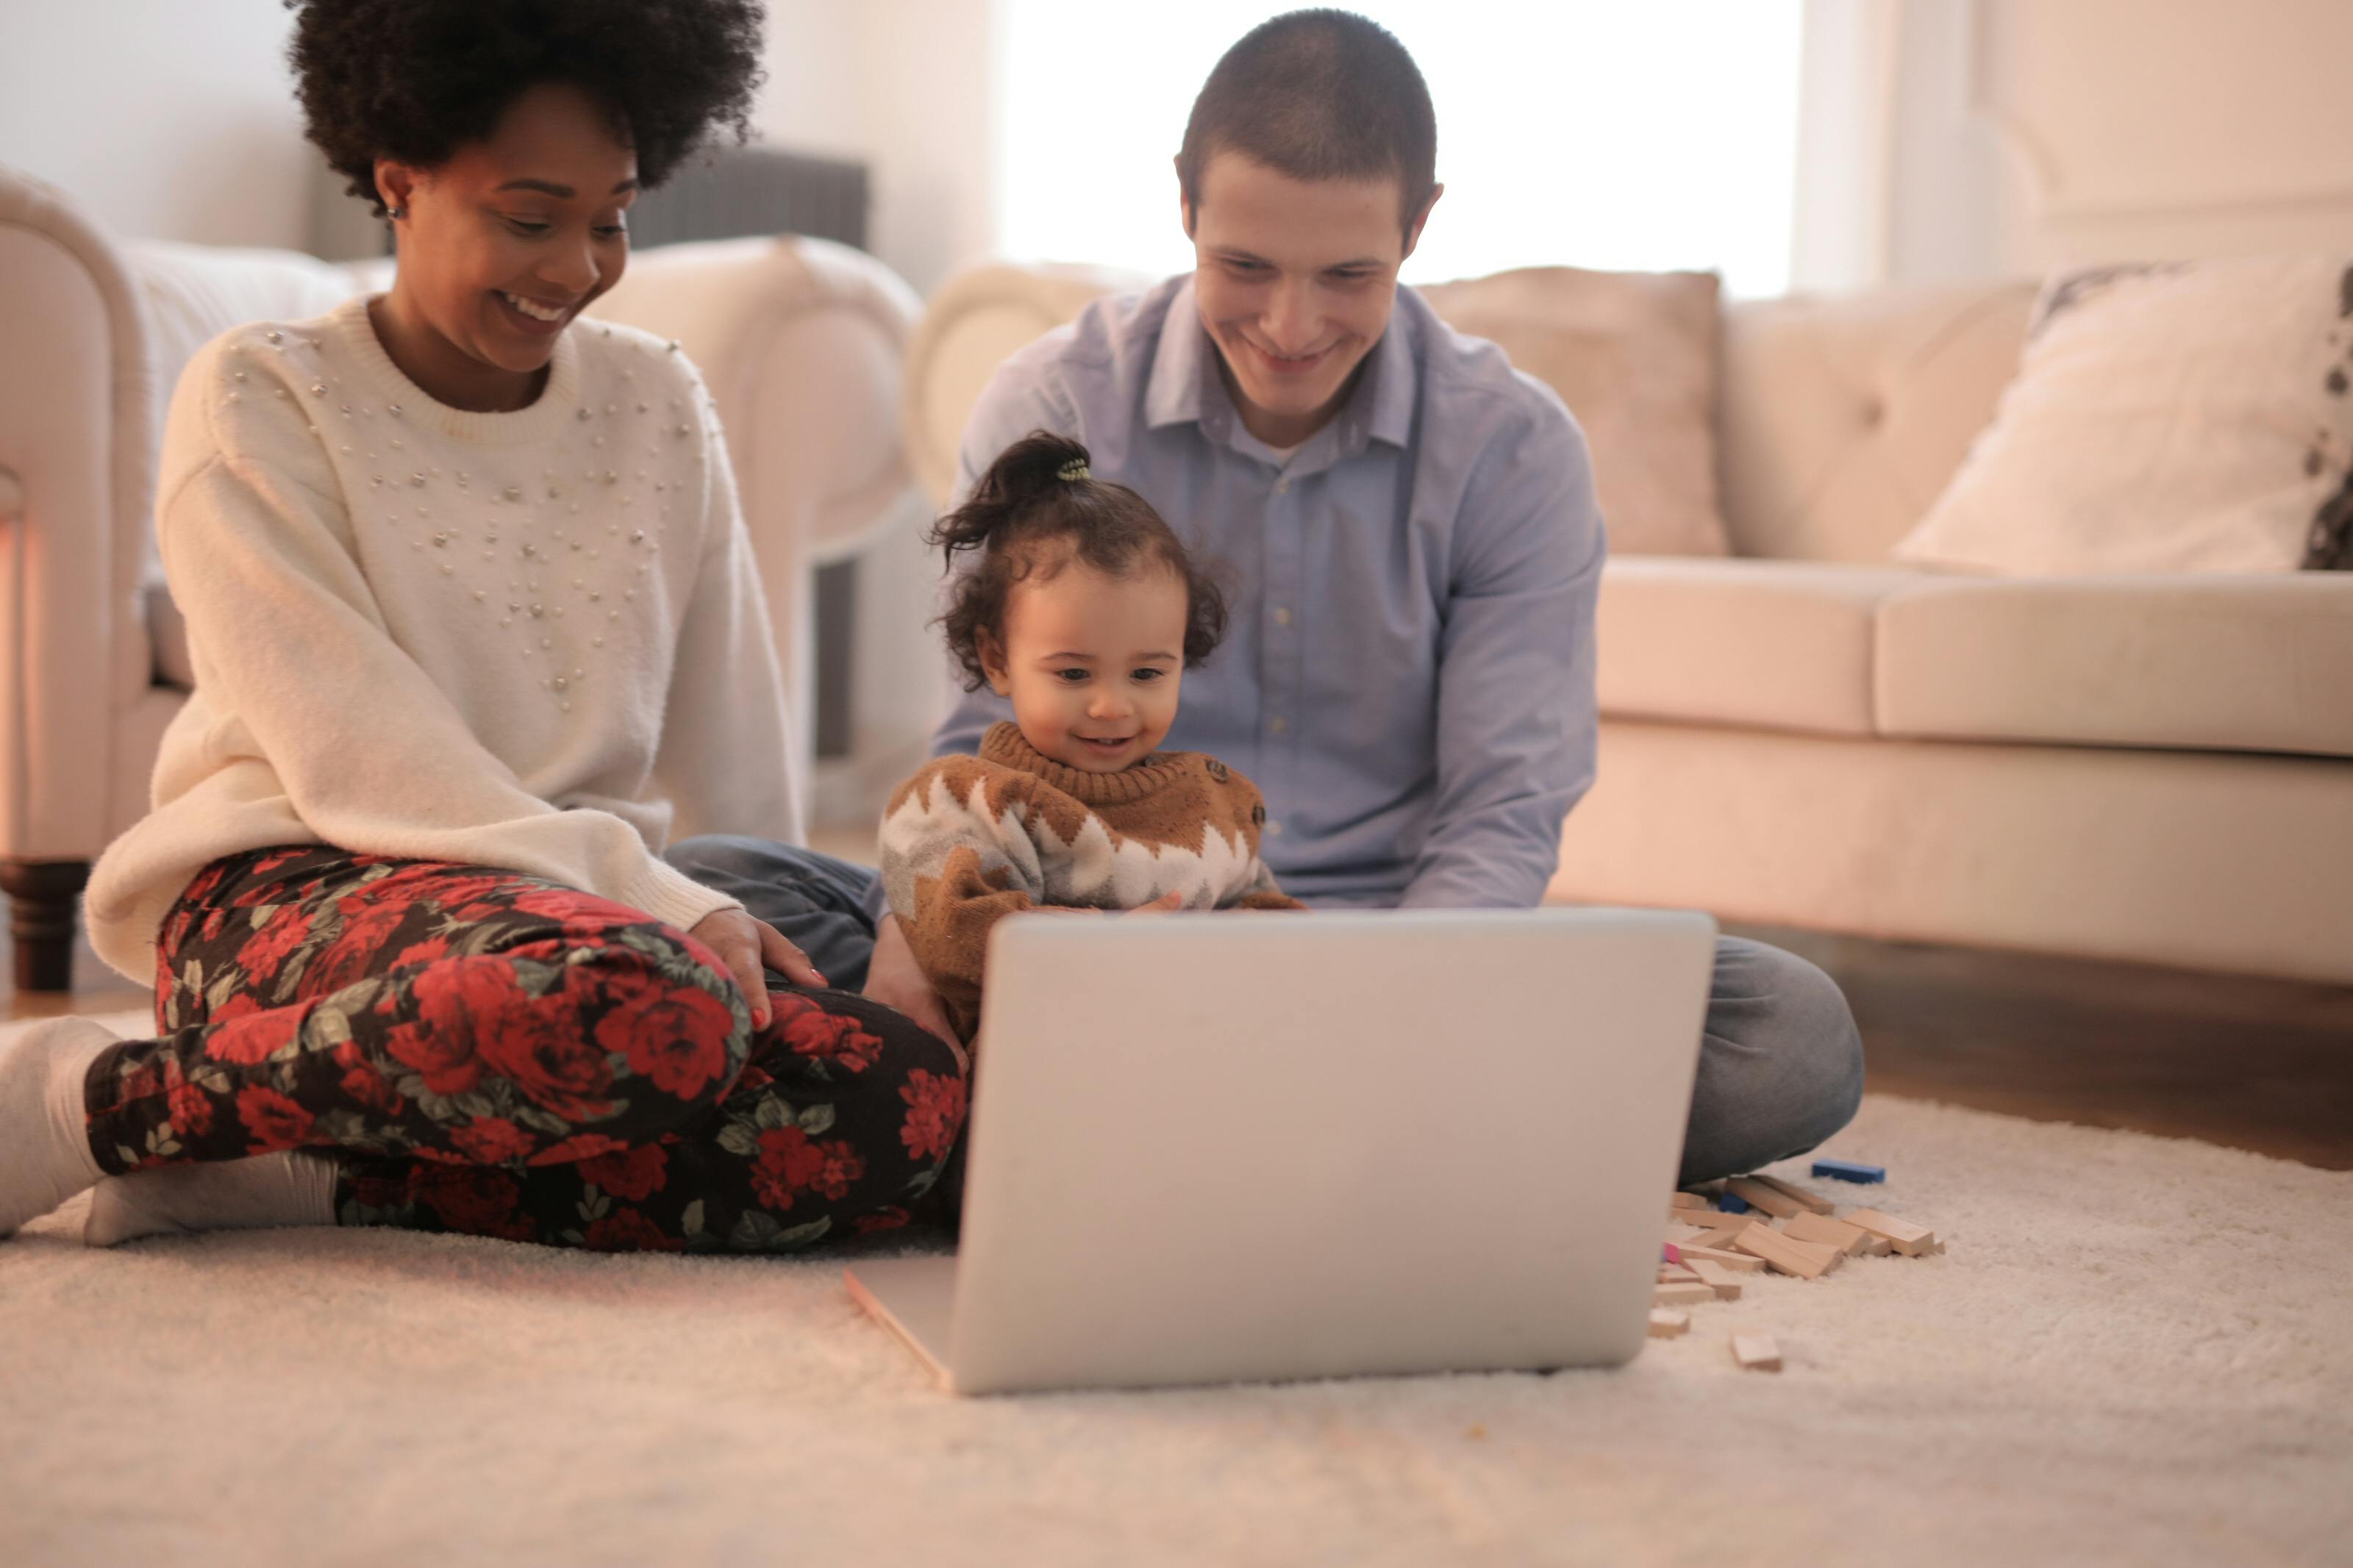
x: 1212, y: 1148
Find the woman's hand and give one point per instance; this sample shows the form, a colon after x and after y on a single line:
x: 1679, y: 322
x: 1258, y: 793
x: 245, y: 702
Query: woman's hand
x: 743, y: 945
x: 894, y: 979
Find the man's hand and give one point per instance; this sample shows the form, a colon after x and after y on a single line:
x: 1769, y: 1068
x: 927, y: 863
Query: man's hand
x: 742, y: 943
x: 894, y: 979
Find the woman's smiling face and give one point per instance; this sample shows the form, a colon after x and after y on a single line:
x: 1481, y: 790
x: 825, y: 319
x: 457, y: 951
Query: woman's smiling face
x: 505, y: 243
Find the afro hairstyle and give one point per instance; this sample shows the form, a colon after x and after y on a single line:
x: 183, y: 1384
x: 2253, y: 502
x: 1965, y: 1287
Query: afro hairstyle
x: 414, y: 80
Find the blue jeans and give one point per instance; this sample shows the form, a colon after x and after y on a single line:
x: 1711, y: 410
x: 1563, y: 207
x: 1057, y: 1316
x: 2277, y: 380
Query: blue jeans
x: 1781, y: 1064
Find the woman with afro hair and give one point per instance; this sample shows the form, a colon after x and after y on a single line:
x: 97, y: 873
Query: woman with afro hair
x: 476, y: 629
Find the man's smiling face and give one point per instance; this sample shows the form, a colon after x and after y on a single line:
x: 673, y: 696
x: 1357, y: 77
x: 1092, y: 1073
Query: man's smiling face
x: 1294, y: 280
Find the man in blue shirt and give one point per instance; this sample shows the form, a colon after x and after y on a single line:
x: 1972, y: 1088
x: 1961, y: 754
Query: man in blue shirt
x: 1414, y: 548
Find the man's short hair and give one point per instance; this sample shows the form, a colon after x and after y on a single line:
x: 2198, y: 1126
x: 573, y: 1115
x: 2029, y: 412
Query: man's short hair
x: 1317, y: 95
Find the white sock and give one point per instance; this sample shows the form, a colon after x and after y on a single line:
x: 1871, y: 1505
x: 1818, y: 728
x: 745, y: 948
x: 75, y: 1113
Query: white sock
x: 292, y: 1186
x: 45, y: 1155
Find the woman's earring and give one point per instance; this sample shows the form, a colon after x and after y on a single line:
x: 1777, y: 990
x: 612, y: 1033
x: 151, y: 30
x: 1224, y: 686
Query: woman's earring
x: 395, y: 212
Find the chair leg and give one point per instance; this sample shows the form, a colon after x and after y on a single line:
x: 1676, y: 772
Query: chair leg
x: 42, y: 898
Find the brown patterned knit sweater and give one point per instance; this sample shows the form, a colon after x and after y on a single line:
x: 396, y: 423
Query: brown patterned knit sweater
x: 970, y: 840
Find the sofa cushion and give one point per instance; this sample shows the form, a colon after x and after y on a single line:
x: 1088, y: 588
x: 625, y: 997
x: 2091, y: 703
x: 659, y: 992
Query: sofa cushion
x: 2181, y: 416
x: 1843, y: 418
x: 2236, y: 663
x: 1782, y: 645
x: 1634, y: 356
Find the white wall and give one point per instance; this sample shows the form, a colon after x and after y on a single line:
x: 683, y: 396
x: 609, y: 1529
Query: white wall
x: 175, y: 120
x: 167, y: 119
x: 2023, y: 136
x: 909, y: 87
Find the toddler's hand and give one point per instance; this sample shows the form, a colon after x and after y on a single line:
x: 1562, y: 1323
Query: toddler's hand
x: 1161, y: 905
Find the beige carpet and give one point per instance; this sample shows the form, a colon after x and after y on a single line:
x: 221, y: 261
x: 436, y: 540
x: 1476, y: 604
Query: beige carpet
x: 2136, y: 1351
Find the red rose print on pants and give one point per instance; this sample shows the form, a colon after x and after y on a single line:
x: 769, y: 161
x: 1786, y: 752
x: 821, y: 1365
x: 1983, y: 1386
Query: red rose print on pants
x: 675, y: 1036
x: 247, y: 1035
x: 934, y: 1113
x: 579, y: 1146
x: 441, y: 1043
x: 634, y: 1175
x: 192, y: 1111
x: 362, y: 1085
x: 537, y: 1046
x: 811, y: 1031
x: 481, y: 1205
x: 272, y: 1120
x: 367, y: 927
x: 627, y: 1230
x: 285, y: 928
x: 492, y: 1141
x: 532, y: 1041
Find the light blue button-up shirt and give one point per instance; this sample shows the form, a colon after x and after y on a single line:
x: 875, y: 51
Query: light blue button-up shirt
x: 1409, y: 671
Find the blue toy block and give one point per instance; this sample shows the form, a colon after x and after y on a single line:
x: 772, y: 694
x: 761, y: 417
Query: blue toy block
x: 1732, y: 1203
x: 1849, y: 1170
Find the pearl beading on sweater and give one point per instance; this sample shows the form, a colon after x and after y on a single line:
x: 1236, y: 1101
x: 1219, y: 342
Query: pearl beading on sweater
x: 531, y: 602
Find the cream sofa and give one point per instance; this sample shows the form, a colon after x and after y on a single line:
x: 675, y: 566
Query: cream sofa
x: 2151, y: 769
x: 801, y: 340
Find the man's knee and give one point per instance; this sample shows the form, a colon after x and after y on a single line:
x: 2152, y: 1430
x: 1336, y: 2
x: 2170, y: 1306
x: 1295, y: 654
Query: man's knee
x: 1782, y: 1068
x: 1822, y: 1047
x: 732, y: 853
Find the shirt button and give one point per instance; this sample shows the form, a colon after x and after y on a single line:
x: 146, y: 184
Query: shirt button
x: 1281, y: 615
x: 1283, y: 485
x: 1278, y: 725
x: 1274, y: 831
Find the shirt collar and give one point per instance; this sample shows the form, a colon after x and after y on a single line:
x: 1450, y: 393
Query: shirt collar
x: 1185, y: 386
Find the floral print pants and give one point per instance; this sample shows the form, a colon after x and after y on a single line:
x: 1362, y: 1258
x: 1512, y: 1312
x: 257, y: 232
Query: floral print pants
x: 494, y: 1055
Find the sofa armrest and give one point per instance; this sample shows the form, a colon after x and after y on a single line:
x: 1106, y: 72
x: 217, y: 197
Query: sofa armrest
x: 73, y: 417
x: 800, y: 341
x: 976, y: 319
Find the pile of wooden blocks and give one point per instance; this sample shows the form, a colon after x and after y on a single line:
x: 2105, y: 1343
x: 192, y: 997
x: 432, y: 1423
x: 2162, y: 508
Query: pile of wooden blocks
x: 1708, y: 1249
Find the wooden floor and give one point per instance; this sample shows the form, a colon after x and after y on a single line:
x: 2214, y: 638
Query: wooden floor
x: 2252, y: 1064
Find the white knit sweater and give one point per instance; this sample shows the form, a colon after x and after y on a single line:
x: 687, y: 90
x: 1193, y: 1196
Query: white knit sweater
x: 531, y: 641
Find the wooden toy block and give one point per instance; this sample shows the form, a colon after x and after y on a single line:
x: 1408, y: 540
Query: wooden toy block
x: 1849, y: 1170
x: 1811, y: 1201
x: 1677, y: 1274
x: 1680, y: 1295
x: 1876, y: 1246
x: 1726, y: 1286
x: 1847, y: 1238
x: 1737, y: 1262
x: 1719, y: 1239
x: 1757, y: 1195
x: 1912, y: 1240
x: 1666, y: 1324
x: 1756, y: 1352
x: 1687, y: 1201
x: 1789, y: 1257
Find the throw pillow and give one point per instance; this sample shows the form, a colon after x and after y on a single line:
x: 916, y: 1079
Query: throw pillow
x: 1633, y: 354
x: 2183, y: 417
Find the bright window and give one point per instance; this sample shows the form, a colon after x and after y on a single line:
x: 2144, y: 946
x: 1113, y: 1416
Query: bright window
x: 1606, y: 135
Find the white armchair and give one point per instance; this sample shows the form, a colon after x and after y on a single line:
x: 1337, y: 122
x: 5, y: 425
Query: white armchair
x: 799, y: 339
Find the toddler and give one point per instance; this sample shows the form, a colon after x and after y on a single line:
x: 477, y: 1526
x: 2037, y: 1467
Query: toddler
x: 1083, y: 607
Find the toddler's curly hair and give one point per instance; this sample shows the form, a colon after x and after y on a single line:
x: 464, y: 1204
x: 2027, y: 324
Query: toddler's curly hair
x: 1028, y: 517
